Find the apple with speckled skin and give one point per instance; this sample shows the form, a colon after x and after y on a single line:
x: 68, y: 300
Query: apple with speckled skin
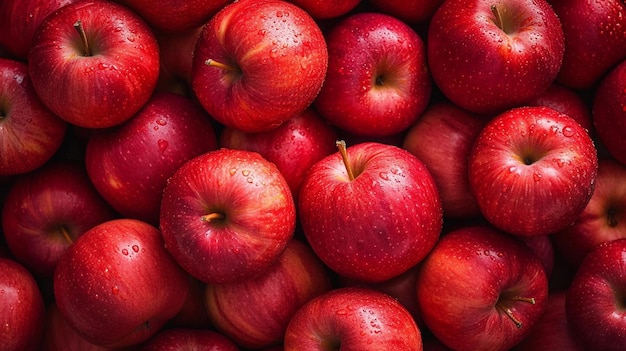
x: 567, y: 101
x: 378, y: 82
x: 94, y: 63
x: 352, y: 319
x: 258, y: 63
x: 117, y: 285
x: 227, y: 215
x: 370, y: 211
x: 481, y: 289
x: 532, y: 170
x: 609, y: 112
x: 488, y: 56
x: 596, y: 295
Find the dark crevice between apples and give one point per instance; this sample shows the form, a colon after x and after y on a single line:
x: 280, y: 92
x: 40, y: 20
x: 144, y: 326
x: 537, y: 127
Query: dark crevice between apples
x: 504, y: 305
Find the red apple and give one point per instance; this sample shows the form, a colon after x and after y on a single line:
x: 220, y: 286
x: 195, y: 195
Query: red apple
x: 609, y: 111
x: 594, y: 39
x: 566, y: 101
x: 442, y: 138
x: 489, y: 56
x: 94, y: 63
x: 603, y: 219
x: 130, y: 165
x: 543, y: 247
x: 258, y: 63
x: 413, y: 12
x: 255, y: 312
x: 176, y: 55
x: 326, y: 9
x: 532, y: 170
x: 594, y: 302
x: 294, y: 146
x: 19, y: 20
x: 480, y: 289
x: 22, y: 310
x: 175, y: 16
x: 117, y: 285
x: 193, y: 314
x: 30, y: 134
x: 352, y: 319
x: 227, y: 215
x: 188, y: 339
x: 552, y: 331
x: 377, y: 82
x: 371, y: 211
x: 46, y: 210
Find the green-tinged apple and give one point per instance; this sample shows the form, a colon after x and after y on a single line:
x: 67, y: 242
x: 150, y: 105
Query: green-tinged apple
x: 255, y: 312
x: 22, y: 309
x: 481, y: 289
x: 532, y: 170
x: 487, y: 56
x: 130, y: 165
x: 594, y: 40
x: 94, y: 63
x: 258, y: 63
x: 294, y: 146
x: 177, y: 339
x: 226, y: 215
x: 46, y: 210
x: 604, y: 217
x: 19, y: 20
x: 30, y: 134
x: 353, y: 319
x: 595, y: 298
x: 117, y: 285
x: 609, y: 111
x: 378, y: 82
x: 442, y: 138
x: 371, y: 211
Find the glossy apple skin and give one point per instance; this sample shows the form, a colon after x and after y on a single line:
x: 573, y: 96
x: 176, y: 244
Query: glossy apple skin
x: 188, y: 339
x: 30, y: 134
x: 462, y: 281
x: 294, y: 146
x: 279, y: 59
x: 19, y: 20
x: 378, y: 82
x: 567, y: 101
x: 594, y: 40
x: 22, y: 310
x: 484, y: 69
x: 355, y: 318
x: 255, y: 312
x: 609, y: 114
x: 117, y: 285
x: 130, y: 165
x: 379, y: 224
x: 412, y: 12
x: 258, y: 215
x: 327, y: 9
x: 594, y: 299
x: 46, y: 210
x: 106, y: 88
x: 532, y: 170
x: 442, y: 138
x: 603, y: 219
x: 175, y: 16
x: 552, y: 330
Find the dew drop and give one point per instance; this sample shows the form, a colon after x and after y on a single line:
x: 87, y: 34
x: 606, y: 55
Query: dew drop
x: 161, y: 122
x: 568, y: 131
x: 115, y: 290
x: 125, y: 252
x: 232, y: 171
x: 250, y: 180
x: 102, y: 66
x: 383, y: 175
x: 163, y: 144
x: 135, y: 248
x: 536, y: 177
x: 512, y: 169
x: 245, y: 172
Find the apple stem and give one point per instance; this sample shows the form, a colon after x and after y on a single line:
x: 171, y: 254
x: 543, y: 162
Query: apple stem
x: 508, y: 311
x: 341, y: 145
x: 78, y: 25
x: 212, y: 217
x: 213, y: 63
x: 66, y: 235
x: 498, y: 17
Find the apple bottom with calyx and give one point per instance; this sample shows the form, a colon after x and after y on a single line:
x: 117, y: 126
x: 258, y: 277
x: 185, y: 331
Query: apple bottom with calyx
x: 352, y: 319
x: 595, y: 299
x: 117, y: 285
x: 480, y: 289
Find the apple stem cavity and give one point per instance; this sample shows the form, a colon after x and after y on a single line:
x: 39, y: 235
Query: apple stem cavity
x: 611, y: 218
x: 78, y: 25
x: 211, y: 217
x: 213, y: 63
x: 498, y: 20
x: 341, y: 145
x: 66, y: 235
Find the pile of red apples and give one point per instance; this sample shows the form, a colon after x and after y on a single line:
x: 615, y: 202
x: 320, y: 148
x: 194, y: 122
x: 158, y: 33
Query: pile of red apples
x: 312, y: 175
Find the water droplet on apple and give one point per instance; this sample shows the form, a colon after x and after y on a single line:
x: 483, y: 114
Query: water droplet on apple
x: 559, y: 162
x: 102, y: 66
x: 245, y: 172
x: 536, y: 177
x: 18, y: 78
x: 554, y: 129
x: 341, y: 312
x: 273, y: 53
x: 163, y: 144
x: 383, y: 175
x: 115, y: 290
x: 135, y: 248
x: 262, y: 32
x: 250, y: 180
x: 279, y: 14
x: 568, y: 131
x: 512, y: 169
x: 161, y: 122
x: 125, y: 252
x: 232, y: 171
